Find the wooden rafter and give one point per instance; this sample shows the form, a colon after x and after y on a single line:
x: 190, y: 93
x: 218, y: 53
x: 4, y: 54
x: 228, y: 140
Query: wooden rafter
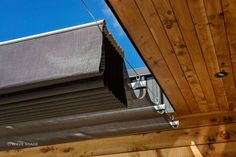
x: 213, y: 150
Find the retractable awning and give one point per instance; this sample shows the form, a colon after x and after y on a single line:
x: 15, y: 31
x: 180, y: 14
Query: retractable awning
x: 71, y: 85
x: 139, y: 116
x: 64, y: 72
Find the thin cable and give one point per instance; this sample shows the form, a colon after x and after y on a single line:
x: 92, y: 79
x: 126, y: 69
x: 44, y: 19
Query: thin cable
x: 95, y: 20
x: 90, y: 13
x: 131, y: 67
x: 137, y: 75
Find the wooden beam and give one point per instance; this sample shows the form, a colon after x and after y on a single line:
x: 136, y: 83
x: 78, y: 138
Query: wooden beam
x: 207, y: 119
x: 214, y: 150
x: 149, y: 153
x: 149, y: 141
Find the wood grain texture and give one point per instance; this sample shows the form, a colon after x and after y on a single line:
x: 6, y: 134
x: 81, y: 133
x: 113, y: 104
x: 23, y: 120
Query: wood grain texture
x: 172, y: 59
x: 202, y: 28
x: 157, y: 140
x: 217, y: 26
x: 150, y: 153
x: 207, y: 119
x: 229, y: 11
x: 172, y: 30
x: 143, y: 39
x: 209, y: 150
x: 195, y: 39
x: 196, y: 151
x: 184, y: 20
x: 214, y: 150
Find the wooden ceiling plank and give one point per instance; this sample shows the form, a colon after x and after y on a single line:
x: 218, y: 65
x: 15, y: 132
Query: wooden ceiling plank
x: 198, y: 13
x: 152, y: 19
x: 184, y: 19
x: 217, y: 27
x: 229, y: 10
x: 172, y: 30
x: 208, y: 135
x: 132, y: 19
x: 213, y: 150
x: 170, y: 152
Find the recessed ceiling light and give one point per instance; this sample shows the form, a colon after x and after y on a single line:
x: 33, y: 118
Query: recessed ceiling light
x: 221, y: 74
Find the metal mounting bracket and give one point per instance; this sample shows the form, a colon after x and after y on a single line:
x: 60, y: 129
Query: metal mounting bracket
x: 139, y: 85
x: 160, y: 108
x: 174, y: 123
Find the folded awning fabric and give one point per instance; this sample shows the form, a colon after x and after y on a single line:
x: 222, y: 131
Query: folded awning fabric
x: 69, y: 85
x: 64, y: 72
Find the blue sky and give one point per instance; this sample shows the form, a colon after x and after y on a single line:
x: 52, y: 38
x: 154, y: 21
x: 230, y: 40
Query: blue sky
x: 20, y: 18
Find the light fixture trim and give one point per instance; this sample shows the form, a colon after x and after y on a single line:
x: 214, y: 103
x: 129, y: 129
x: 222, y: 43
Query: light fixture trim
x: 221, y: 74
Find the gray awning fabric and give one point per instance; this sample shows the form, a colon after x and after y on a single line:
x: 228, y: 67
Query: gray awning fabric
x: 65, y: 72
x: 83, y: 126
x: 47, y: 60
x: 68, y: 85
x: 139, y: 116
